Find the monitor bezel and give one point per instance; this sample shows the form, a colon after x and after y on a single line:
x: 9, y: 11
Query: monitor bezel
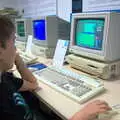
x: 41, y: 42
x: 19, y: 38
x: 81, y: 50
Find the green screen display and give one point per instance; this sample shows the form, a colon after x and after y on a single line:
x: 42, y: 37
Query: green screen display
x: 21, y: 29
x: 89, y: 33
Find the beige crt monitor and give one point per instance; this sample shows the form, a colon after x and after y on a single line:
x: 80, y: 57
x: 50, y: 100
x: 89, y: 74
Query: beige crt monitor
x: 23, y: 29
x: 47, y: 30
x: 96, y: 36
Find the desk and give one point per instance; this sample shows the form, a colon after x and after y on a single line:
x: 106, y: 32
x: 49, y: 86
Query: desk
x: 66, y: 107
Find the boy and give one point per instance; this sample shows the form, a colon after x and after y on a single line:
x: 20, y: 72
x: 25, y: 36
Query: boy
x: 9, y: 84
x: 8, y: 56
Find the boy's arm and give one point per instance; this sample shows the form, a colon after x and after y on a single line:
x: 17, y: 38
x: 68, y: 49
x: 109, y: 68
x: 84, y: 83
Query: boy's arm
x: 29, y: 81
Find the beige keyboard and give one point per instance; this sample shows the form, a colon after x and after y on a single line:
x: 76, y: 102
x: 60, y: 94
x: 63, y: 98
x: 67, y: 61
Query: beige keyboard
x: 78, y: 87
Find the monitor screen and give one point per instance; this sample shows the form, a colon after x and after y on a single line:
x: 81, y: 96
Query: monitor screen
x: 39, y: 29
x: 21, y: 28
x: 89, y: 33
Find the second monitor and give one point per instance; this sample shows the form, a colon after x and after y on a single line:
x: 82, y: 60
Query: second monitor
x: 46, y: 32
x: 23, y: 29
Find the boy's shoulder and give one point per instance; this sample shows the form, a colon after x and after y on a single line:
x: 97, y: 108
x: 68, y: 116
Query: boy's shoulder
x: 9, y: 81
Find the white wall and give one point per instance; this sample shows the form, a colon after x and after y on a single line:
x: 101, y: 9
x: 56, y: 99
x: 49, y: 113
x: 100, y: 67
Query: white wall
x: 33, y: 8
x: 98, y: 5
x: 8, y: 3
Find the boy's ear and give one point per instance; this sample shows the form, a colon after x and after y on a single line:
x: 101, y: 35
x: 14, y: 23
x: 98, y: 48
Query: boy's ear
x: 1, y: 50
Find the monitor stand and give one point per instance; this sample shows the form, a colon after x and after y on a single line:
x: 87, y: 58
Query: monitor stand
x: 43, y: 51
x: 20, y: 45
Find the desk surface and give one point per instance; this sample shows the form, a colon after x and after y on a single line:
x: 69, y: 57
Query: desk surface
x: 66, y: 107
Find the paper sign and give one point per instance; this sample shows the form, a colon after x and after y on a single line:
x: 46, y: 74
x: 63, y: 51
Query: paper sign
x: 29, y: 44
x: 60, y: 52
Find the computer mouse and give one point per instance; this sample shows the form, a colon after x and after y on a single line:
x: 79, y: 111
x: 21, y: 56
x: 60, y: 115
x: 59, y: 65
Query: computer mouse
x: 107, y: 115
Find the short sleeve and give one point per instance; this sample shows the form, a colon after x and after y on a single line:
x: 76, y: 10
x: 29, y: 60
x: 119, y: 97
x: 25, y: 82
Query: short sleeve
x: 12, y: 81
x: 18, y: 82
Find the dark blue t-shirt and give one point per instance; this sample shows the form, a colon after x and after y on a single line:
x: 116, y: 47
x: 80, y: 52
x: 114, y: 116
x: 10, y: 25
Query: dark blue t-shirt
x: 9, y: 84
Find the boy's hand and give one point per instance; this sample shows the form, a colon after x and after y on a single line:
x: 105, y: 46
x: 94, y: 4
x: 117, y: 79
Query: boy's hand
x: 91, y: 110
